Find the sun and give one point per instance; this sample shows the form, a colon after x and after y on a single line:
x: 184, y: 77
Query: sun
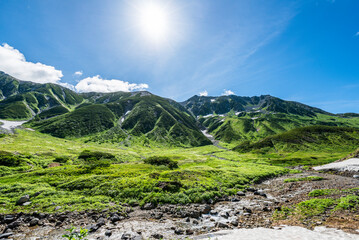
x: 154, y: 21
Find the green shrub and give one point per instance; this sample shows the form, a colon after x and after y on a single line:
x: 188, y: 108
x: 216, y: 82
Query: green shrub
x: 348, y: 202
x: 315, y: 206
x: 158, y: 161
x: 93, y: 163
x: 62, y: 159
x: 322, y: 192
x: 76, y: 235
x: 310, y: 178
x: 89, y: 156
x: 8, y: 159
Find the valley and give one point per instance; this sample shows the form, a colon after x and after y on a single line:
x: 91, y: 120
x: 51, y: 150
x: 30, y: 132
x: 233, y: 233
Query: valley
x: 118, y: 163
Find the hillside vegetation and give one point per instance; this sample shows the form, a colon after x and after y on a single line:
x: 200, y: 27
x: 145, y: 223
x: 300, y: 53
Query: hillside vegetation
x: 94, y: 176
x: 23, y: 100
x: 307, y: 138
x: 255, y: 126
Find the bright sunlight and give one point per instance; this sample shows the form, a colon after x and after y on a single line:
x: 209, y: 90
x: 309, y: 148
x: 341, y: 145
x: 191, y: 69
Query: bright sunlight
x: 154, y: 21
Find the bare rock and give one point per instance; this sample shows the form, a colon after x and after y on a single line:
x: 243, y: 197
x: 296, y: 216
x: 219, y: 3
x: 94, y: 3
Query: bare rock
x: 23, y: 200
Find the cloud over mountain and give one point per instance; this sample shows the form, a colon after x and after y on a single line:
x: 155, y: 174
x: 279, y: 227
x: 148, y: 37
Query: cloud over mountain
x: 13, y: 62
x: 97, y: 84
x: 227, y: 93
x: 204, y: 93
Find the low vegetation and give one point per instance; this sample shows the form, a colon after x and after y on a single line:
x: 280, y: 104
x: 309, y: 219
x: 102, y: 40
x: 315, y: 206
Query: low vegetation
x: 310, y: 178
x: 94, y: 176
x: 322, y: 202
x: 158, y: 161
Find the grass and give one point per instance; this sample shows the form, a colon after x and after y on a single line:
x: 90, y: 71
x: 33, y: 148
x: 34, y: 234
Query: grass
x: 314, y: 206
x: 325, y: 192
x: 323, y: 201
x: 309, y: 178
x: 90, y: 175
x: 252, y: 127
x: 125, y: 178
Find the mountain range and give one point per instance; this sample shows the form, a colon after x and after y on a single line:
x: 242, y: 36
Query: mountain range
x: 142, y: 117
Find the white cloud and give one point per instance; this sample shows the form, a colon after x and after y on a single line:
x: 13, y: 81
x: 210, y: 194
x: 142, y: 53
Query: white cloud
x: 67, y: 85
x: 78, y: 73
x: 13, y: 62
x: 204, y: 93
x: 227, y: 92
x: 357, y: 34
x: 97, y: 84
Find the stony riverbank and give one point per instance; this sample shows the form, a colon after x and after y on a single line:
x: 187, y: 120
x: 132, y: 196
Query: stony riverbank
x: 248, y: 209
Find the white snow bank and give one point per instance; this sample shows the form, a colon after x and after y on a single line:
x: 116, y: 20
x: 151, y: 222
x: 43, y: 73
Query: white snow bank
x: 285, y: 233
x: 9, y: 125
x: 351, y: 164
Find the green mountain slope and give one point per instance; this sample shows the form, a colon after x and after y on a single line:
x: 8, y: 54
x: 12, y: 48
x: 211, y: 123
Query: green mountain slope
x: 254, y: 126
x: 23, y: 100
x: 116, y: 117
x: 235, y: 119
x: 313, y: 138
x: 202, y: 106
x: 140, y: 117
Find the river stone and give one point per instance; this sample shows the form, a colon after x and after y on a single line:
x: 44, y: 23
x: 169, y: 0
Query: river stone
x: 179, y: 231
x: 148, y: 206
x: 101, y: 222
x: 34, y: 222
x: 14, y: 224
x: 23, y: 200
x: 93, y: 228
x: 108, y: 233
x: 116, y: 218
x: 234, y: 222
x: 224, y: 214
x: 6, y: 235
x: 157, y: 236
x: 9, y: 218
x: 241, y: 194
x: 222, y: 225
x: 206, y: 209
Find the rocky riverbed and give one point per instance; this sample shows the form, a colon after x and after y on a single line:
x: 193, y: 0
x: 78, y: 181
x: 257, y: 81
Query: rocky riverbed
x: 252, y: 208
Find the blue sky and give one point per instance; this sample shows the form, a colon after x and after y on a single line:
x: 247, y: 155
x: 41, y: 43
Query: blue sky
x: 306, y: 51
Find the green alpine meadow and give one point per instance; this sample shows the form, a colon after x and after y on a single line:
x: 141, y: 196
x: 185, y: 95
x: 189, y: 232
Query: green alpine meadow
x: 96, y: 151
x: 179, y: 120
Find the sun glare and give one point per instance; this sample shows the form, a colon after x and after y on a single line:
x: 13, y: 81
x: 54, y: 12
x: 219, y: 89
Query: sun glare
x: 154, y: 22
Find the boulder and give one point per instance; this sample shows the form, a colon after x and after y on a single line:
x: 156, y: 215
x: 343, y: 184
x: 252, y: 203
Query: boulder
x: 222, y: 225
x: 241, y: 194
x: 206, y: 209
x: 15, y: 224
x: 34, y: 222
x: 23, y: 200
x: 116, y: 218
x: 148, y: 206
x: 157, y: 236
x: 179, y: 231
x: 101, y: 222
x: 9, y: 218
x: 6, y: 235
x: 189, y: 232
